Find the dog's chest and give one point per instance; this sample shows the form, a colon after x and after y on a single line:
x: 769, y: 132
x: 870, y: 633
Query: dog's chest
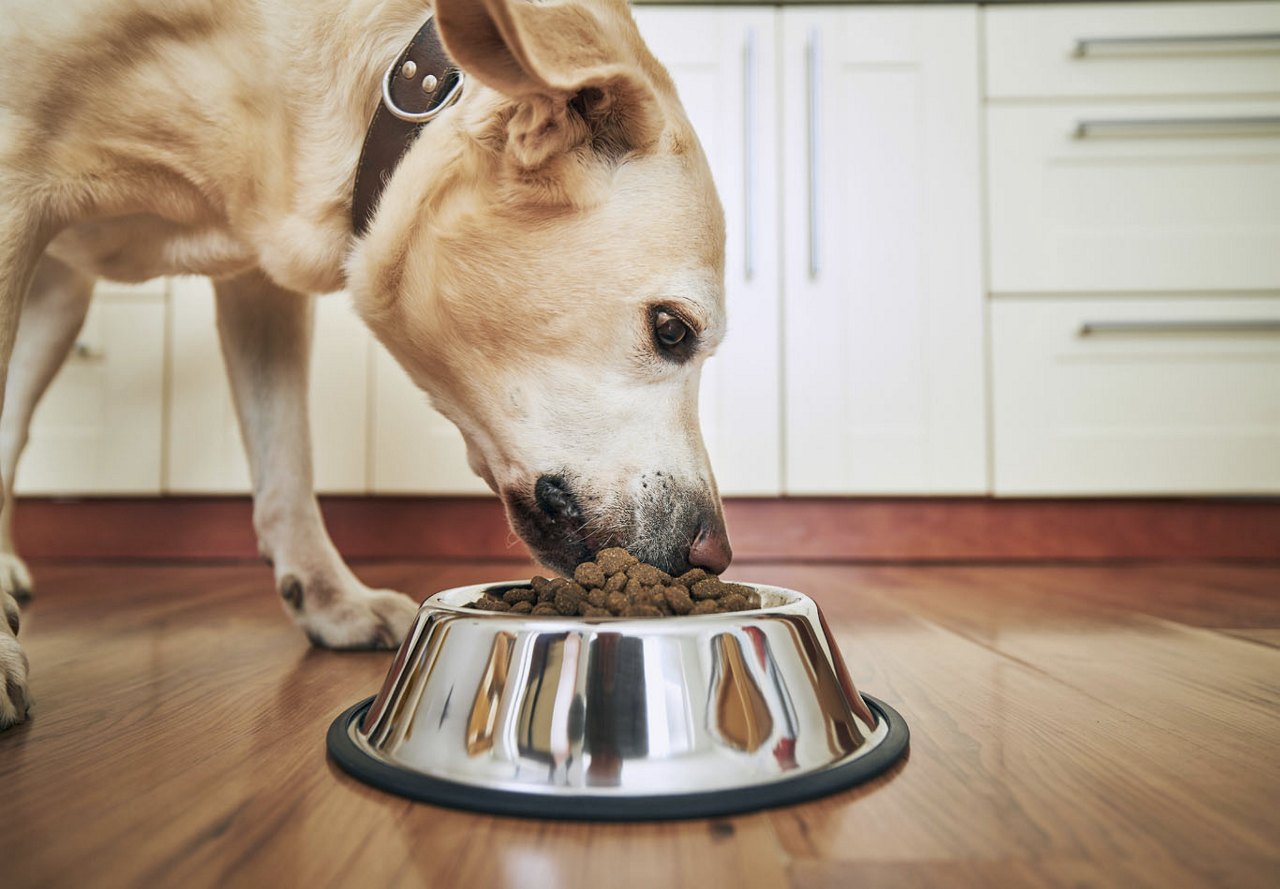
x: 140, y: 247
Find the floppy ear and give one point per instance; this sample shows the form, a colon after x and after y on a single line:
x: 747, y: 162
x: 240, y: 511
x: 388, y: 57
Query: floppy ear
x: 574, y: 69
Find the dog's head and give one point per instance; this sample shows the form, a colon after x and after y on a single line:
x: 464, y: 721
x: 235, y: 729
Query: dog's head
x: 547, y: 262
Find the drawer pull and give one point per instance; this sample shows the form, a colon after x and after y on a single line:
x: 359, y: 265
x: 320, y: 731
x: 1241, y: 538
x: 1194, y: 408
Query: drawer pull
x: 1250, y: 325
x: 1146, y: 128
x: 1197, y: 44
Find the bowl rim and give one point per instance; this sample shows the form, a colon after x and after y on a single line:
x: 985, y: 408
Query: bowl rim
x: 795, y: 602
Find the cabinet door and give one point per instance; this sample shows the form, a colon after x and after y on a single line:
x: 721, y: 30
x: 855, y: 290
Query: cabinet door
x: 724, y: 63
x: 205, y: 452
x: 98, y: 429
x: 1136, y: 396
x: 884, y: 314
x: 415, y: 449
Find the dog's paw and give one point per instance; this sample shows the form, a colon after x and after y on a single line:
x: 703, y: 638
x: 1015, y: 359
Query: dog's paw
x: 15, y: 577
x: 347, y: 615
x: 14, y: 698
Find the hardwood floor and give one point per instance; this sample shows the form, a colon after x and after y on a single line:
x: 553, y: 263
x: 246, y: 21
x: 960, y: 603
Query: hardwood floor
x: 1071, y: 726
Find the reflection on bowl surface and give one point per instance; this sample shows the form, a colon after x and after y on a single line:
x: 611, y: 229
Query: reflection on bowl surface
x: 599, y: 709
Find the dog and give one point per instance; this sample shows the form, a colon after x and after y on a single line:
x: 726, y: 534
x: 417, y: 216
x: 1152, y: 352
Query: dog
x: 546, y: 259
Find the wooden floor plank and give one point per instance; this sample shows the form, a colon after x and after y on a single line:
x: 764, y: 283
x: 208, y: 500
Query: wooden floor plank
x: 1061, y: 736
x: 1015, y: 762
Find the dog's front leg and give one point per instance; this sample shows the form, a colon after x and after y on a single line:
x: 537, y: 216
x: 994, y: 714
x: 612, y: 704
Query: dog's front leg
x: 266, y: 340
x: 23, y: 237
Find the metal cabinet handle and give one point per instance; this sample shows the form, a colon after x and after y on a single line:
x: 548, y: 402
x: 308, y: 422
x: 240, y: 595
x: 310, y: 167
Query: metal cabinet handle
x: 1087, y: 47
x: 1249, y: 325
x: 1177, y: 126
x: 813, y: 69
x: 749, y: 154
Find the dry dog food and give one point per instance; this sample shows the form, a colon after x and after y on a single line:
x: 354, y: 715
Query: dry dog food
x: 617, y: 584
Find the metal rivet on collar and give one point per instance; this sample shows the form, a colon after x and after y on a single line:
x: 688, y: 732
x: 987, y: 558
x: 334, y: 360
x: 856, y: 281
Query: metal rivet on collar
x: 429, y: 83
x: 408, y: 69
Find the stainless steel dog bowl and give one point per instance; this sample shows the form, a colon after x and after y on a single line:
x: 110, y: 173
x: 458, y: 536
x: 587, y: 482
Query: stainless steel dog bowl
x: 617, y: 718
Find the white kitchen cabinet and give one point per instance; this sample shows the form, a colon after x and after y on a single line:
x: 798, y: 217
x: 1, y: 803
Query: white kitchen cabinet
x: 415, y: 449
x: 724, y: 63
x: 204, y: 448
x: 98, y: 428
x: 1136, y: 396
x: 882, y: 275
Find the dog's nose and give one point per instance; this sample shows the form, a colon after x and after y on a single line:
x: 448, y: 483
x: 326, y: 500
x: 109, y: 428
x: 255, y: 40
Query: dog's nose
x: 553, y: 497
x: 710, y: 549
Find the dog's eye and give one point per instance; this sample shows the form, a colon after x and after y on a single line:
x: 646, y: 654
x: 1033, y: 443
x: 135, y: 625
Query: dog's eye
x: 670, y: 330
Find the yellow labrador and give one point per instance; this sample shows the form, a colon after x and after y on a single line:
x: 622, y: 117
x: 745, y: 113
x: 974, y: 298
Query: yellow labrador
x: 546, y: 260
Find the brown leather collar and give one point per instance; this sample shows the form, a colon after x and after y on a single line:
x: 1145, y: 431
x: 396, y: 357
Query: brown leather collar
x: 420, y: 83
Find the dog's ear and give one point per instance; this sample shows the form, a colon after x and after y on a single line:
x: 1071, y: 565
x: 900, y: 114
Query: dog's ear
x: 574, y: 68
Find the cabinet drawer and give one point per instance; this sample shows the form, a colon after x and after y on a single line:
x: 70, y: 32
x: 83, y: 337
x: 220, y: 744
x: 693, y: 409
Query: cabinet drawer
x: 1134, y: 396
x: 1135, y: 197
x: 98, y: 428
x: 1143, y: 49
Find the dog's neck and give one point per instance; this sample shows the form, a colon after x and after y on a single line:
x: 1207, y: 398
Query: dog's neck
x: 331, y: 83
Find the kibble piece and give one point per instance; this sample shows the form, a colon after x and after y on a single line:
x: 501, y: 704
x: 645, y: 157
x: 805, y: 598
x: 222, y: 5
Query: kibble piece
x: 489, y: 603
x: 589, y: 575
x: 539, y: 584
x: 545, y: 608
x: 592, y: 611
x: 711, y: 588
x: 597, y: 598
x: 692, y: 576
x: 678, y: 599
x: 642, y: 611
x: 706, y: 606
x: 525, y: 607
x: 615, y: 559
x: 519, y: 594
x: 645, y: 595
x: 648, y: 575
x: 732, y: 602
x: 549, y: 590
x: 616, y: 583
x: 568, y: 597
x: 616, y: 603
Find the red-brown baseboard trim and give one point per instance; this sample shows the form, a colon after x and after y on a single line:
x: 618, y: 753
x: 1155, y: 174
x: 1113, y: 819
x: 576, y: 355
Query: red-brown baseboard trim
x: 926, y: 529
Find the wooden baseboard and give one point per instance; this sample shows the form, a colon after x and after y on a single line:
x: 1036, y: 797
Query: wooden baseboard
x: 776, y: 529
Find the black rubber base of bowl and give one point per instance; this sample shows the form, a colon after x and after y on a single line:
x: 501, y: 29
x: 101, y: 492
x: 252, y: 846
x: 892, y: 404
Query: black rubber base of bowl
x: 415, y: 785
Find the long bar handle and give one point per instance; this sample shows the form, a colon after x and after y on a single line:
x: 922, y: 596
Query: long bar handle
x: 1177, y: 126
x: 749, y: 154
x: 1248, y: 325
x: 813, y: 71
x: 1177, y: 43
